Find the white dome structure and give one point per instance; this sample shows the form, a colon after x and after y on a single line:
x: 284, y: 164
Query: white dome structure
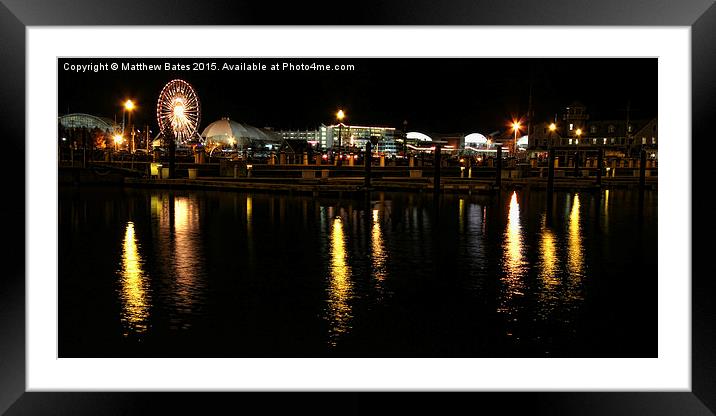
x: 475, y: 139
x: 229, y: 132
x: 418, y: 136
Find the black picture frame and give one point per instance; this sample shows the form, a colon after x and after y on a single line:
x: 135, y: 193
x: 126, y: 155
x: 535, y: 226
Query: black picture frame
x: 16, y: 15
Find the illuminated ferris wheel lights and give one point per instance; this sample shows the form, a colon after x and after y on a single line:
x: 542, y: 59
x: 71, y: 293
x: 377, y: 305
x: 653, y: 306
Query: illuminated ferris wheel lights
x: 178, y: 109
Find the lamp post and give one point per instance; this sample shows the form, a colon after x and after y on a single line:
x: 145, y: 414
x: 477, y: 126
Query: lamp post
x: 340, y: 115
x: 516, y: 128
x: 552, y: 129
x: 578, y: 132
x: 128, y: 107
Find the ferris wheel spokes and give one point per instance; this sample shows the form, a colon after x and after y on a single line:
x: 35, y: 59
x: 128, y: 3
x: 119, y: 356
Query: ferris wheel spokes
x: 179, y: 110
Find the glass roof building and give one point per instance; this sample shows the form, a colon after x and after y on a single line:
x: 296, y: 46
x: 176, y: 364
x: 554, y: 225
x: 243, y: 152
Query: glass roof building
x: 87, y: 121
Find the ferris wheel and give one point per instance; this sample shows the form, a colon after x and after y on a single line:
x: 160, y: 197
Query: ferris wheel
x: 178, y: 111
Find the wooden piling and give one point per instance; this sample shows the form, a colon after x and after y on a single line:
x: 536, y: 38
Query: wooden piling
x: 642, y: 169
x: 172, y: 154
x: 600, y: 164
x: 550, y: 175
x: 368, y: 160
x: 498, y: 167
x: 436, y: 171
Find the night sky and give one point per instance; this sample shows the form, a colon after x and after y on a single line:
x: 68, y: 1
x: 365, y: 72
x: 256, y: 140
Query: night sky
x: 432, y: 94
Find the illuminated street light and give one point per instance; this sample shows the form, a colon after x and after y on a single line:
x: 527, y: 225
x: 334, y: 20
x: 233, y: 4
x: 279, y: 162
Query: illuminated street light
x: 128, y: 107
x: 516, y: 128
x: 340, y: 115
x: 578, y: 132
x: 552, y: 127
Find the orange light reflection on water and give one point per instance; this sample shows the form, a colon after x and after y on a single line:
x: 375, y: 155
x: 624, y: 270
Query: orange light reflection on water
x: 134, y: 286
x: 340, y: 287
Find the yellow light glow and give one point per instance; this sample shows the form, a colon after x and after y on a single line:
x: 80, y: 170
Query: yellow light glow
x: 552, y: 127
x: 574, y: 241
x: 378, y: 253
x: 179, y: 110
x: 188, y: 267
x: 514, y: 237
x: 340, y: 115
x: 117, y: 138
x: 549, y: 258
x: 514, y: 263
x: 515, y: 125
x: 129, y: 105
x: 134, y: 293
x: 606, y: 210
x: 578, y: 132
x: 340, y: 287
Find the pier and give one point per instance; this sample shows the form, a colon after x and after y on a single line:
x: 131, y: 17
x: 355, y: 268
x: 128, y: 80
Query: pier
x: 322, y: 179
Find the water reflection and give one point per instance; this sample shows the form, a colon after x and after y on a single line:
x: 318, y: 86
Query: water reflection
x: 561, y: 293
x: 340, y: 287
x: 134, y: 286
x: 378, y: 254
x: 548, y: 269
x: 249, y: 232
x: 606, y: 211
x: 574, y: 241
x: 513, y: 261
x: 179, y: 243
x: 461, y: 215
x: 204, y: 273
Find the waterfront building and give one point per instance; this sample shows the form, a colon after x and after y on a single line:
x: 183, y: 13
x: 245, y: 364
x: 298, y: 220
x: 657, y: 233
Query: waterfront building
x: 308, y: 135
x: 231, y: 134
x: 79, y: 130
x: 87, y: 121
x: 356, y: 136
x: 576, y: 129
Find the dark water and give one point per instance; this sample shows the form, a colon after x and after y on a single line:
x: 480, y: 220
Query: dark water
x: 221, y: 274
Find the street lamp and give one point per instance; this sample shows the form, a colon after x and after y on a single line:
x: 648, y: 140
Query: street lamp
x: 578, y: 132
x: 340, y: 115
x: 516, y: 128
x: 552, y: 129
x: 128, y: 107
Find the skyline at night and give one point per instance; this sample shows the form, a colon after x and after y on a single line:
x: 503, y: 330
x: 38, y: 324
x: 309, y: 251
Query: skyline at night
x: 433, y: 95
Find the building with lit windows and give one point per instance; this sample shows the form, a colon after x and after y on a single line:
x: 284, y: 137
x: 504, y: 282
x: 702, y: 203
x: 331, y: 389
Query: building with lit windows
x: 620, y: 138
x: 355, y: 136
x: 310, y: 136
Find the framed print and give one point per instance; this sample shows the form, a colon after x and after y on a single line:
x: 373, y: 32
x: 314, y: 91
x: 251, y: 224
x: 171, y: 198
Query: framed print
x: 220, y: 207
